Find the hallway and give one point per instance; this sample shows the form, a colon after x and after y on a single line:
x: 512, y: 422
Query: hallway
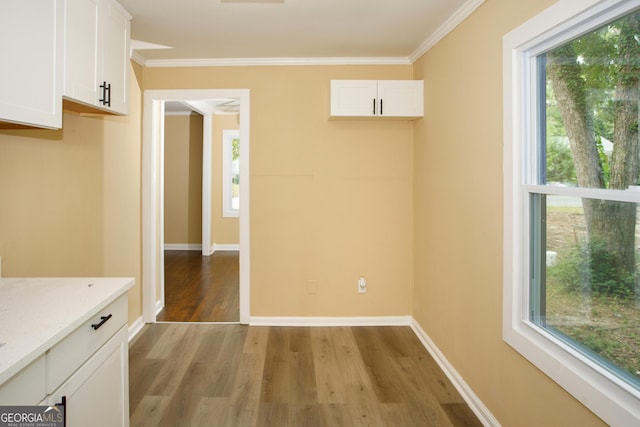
x: 200, y: 288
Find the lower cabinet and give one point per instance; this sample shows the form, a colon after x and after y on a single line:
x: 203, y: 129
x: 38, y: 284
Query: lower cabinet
x: 97, y: 394
x: 88, y: 369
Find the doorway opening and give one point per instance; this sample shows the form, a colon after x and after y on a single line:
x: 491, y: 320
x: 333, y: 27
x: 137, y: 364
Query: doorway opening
x: 205, y: 102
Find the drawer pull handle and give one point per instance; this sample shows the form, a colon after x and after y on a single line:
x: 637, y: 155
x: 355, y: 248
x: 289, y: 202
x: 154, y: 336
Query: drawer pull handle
x: 103, y: 320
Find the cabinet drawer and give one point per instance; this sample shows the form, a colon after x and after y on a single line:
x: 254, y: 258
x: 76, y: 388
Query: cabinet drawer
x: 27, y: 387
x: 66, y: 356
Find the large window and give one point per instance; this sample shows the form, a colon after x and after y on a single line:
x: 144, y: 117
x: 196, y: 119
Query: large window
x: 572, y: 157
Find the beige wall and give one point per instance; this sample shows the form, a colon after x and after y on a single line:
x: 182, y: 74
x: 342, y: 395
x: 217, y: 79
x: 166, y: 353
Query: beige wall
x: 51, y: 206
x: 70, y: 199
x: 183, y: 179
x: 330, y: 200
x: 122, y: 226
x: 458, y: 221
x: 223, y: 230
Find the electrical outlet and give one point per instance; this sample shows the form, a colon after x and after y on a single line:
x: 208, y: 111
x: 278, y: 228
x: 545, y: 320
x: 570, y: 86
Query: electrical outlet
x: 362, y: 285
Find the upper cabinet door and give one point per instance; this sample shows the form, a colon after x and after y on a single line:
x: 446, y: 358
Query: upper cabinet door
x: 377, y: 98
x: 354, y: 98
x: 31, y: 48
x: 114, y: 60
x: 81, y: 51
x: 97, y: 54
x: 401, y: 98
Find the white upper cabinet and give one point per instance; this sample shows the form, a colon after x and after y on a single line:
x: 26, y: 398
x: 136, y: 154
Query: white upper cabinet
x: 377, y: 98
x: 96, y: 40
x: 31, y: 48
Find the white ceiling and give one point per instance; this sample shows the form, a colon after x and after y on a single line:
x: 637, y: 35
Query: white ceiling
x: 252, y: 29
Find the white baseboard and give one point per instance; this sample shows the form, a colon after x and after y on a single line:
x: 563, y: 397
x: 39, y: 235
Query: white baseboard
x: 135, y: 328
x: 331, y: 321
x: 482, y: 412
x: 159, y: 306
x: 225, y: 247
x: 182, y: 247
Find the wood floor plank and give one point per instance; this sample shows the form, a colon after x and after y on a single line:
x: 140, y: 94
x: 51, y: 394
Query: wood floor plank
x: 275, y: 380
x: 335, y: 414
x: 225, y: 367
x: 201, y: 288
x: 330, y: 383
x: 273, y: 414
x: 302, y: 375
x: 461, y: 414
x: 300, y: 340
x: 256, y: 340
x: 147, y: 370
x: 178, y: 346
x: 428, y: 374
x: 150, y: 411
x: 213, y: 411
x: 307, y: 415
x: 246, y: 389
x: 397, y: 414
x: 236, y: 376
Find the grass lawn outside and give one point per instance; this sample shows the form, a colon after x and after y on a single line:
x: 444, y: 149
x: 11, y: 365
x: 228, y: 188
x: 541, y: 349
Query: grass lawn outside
x: 609, y: 326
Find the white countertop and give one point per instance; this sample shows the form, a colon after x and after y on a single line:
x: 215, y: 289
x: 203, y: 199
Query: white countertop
x: 37, y: 313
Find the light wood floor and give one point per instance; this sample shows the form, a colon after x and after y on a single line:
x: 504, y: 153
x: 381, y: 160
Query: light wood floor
x: 201, y: 288
x: 235, y: 375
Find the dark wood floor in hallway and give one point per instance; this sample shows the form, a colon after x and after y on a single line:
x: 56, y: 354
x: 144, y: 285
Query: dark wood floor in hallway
x: 201, y: 288
x: 236, y: 376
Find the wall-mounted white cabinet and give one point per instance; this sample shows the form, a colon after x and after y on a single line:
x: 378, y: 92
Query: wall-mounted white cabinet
x: 31, y: 48
x: 377, y: 98
x: 96, y: 54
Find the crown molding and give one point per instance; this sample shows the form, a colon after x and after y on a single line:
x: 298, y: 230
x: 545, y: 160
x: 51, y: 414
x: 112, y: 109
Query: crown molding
x: 461, y: 14
x: 247, y: 62
x: 136, y: 57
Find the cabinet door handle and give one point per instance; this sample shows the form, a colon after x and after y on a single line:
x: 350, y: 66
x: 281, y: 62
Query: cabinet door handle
x: 374, y: 106
x: 106, y: 94
x: 103, y: 320
x: 103, y: 95
x: 380, y: 106
x: 64, y: 410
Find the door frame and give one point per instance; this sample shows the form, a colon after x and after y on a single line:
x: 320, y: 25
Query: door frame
x: 153, y: 194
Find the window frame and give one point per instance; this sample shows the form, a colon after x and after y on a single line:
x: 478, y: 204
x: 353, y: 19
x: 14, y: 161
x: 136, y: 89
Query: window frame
x: 607, y: 395
x: 228, y: 135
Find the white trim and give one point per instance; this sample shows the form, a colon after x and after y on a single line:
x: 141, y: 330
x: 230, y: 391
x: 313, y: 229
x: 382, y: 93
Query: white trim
x: 207, y: 170
x: 449, y: 25
x: 260, y: 62
x: 182, y: 247
x: 136, y: 57
x: 477, y: 406
x: 179, y: 113
x: 152, y: 212
x: 225, y: 247
x: 610, y: 398
x: 159, y: 306
x: 135, y: 328
x: 153, y: 127
x: 331, y: 321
